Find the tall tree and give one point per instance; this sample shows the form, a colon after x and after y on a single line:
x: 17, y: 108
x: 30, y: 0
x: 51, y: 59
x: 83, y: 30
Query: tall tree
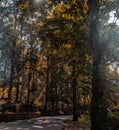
x: 98, y: 102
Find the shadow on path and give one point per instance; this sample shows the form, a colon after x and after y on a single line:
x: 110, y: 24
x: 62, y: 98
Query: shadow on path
x: 44, y: 123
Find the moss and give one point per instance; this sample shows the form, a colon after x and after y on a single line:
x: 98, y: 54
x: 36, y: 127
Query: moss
x: 84, y: 120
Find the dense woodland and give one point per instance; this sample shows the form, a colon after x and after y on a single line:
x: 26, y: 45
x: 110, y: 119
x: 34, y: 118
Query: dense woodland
x: 62, y: 57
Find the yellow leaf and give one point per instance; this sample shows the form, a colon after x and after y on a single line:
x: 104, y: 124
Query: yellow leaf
x: 68, y: 6
x: 50, y: 15
x: 60, y: 8
x: 85, y: 8
x: 117, y: 8
x: 18, y: 42
x: 107, y: 29
x: 23, y: 6
x: 63, y: 15
x: 66, y: 46
x: 56, y: 32
x: 81, y: 18
x: 74, y: 2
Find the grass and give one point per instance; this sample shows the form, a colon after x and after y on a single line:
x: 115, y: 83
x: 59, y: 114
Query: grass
x: 84, y: 119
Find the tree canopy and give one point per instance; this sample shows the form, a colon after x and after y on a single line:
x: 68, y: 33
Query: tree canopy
x: 61, y: 55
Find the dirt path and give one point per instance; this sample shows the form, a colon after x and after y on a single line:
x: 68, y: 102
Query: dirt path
x: 41, y: 123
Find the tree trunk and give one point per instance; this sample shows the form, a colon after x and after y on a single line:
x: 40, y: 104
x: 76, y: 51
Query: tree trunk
x: 56, y: 97
x: 17, y: 93
x: 53, y: 107
x: 75, y: 112
x: 11, y: 81
x: 56, y: 107
x: 98, y: 102
x: 29, y: 83
x: 62, y: 101
x: 47, y: 84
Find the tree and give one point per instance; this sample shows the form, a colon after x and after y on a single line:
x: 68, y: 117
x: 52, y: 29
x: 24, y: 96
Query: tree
x: 99, y: 101
x: 68, y: 34
x: 100, y: 46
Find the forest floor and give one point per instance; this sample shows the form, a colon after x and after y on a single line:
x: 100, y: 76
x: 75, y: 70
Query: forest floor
x: 69, y: 125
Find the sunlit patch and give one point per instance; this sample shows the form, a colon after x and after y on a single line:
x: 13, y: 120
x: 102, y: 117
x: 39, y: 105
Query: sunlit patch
x: 46, y: 121
x: 38, y: 127
x: 38, y: 123
x: 40, y: 120
x: 38, y: 3
x: 53, y: 125
x: 113, y: 18
x: 30, y: 121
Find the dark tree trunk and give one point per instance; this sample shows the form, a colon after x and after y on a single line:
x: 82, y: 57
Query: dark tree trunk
x: 56, y: 97
x: 53, y: 107
x: 21, y: 86
x: 75, y: 114
x: 56, y: 107
x: 62, y: 104
x: 11, y: 81
x: 47, y: 84
x: 28, y: 91
x: 98, y: 103
x: 74, y: 83
x: 17, y: 93
x: 12, y: 62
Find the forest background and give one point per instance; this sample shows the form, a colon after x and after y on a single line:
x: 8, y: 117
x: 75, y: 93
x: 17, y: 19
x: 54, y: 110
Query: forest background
x: 60, y: 57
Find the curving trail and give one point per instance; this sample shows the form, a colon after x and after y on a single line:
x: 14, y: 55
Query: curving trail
x: 41, y: 123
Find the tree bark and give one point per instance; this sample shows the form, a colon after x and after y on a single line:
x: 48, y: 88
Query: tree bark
x: 17, y: 93
x: 74, y: 83
x: 98, y: 102
x: 11, y: 80
x: 75, y: 112
x: 29, y: 83
x: 62, y: 101
x: 47, y: 84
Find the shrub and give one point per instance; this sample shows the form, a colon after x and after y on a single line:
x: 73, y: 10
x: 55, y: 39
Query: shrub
x: 113, y: 119
x: 12, y: 108
x: 29, y: 108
